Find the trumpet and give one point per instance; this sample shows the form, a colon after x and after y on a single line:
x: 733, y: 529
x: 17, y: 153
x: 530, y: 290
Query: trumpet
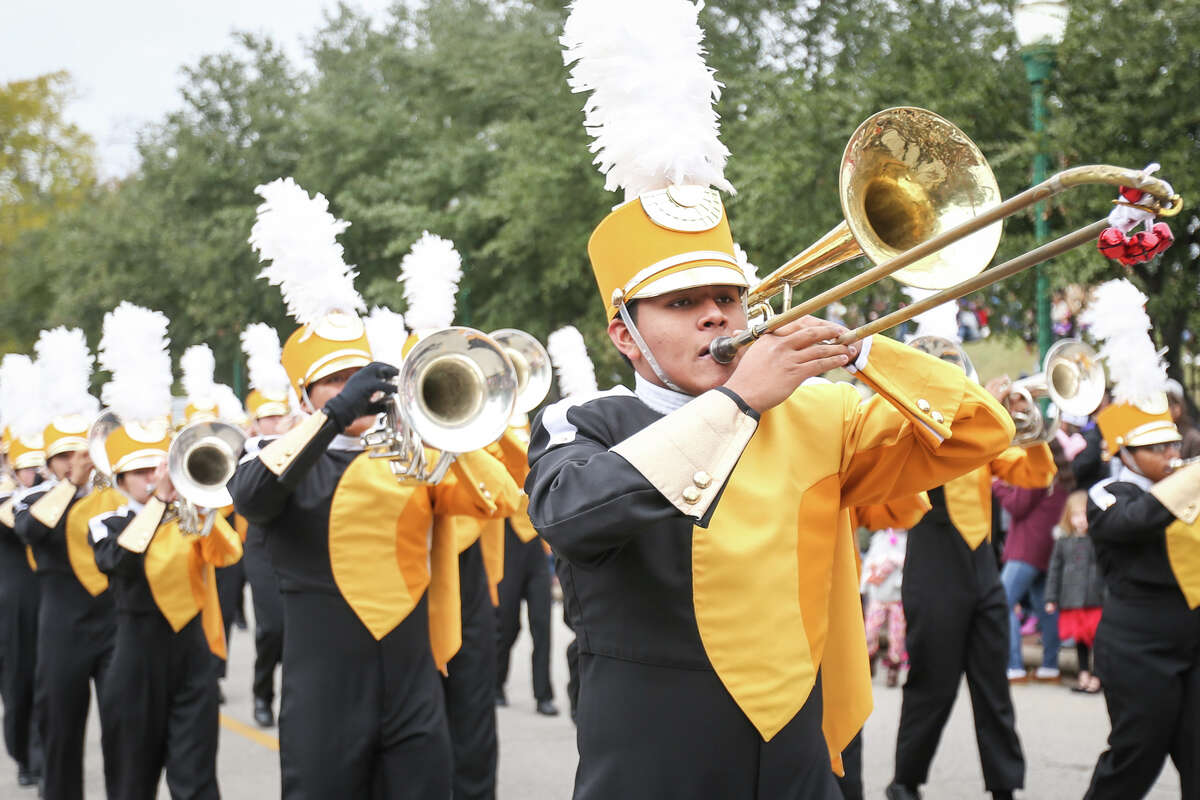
x: 200, y: 461
x: 455, y: 393
x: 532, y: 364
x: 1073, y: 380
x: 1177, y: 463
x: 104, y: 424
x: 920, y: 201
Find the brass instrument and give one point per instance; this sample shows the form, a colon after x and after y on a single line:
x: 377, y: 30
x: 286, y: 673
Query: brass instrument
x: 920, y: 201
x: 455, y: 393
x: 1177, y: 463
x: 200, y: 461
x: 946, y: 350
x: 532, y: 364
x: 103, y: 425
x: 1073, y: 380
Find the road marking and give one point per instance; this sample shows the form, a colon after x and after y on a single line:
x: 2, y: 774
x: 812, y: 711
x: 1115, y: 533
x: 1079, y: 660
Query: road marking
x: 265, y: 739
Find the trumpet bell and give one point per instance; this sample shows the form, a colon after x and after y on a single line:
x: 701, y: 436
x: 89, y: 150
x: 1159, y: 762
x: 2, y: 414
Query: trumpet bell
x: 532, y: 364
x: 457, y: 388
x: 103, y: 425
x: 201, y: 460
x: 1074, y: 377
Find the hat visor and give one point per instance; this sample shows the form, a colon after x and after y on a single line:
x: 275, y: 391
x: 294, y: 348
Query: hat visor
x: 67, y: 444
x: 1158, y: 433
x: 30, y: 460
x: 699, y: 275
x: 352, y: 360
x: 143, y: 459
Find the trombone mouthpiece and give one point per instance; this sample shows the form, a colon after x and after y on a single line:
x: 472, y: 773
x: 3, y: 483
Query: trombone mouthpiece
x: 723, y: 349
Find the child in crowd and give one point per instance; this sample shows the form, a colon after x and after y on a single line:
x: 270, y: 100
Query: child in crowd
x: 1075, y: 588
x: 882, y: 570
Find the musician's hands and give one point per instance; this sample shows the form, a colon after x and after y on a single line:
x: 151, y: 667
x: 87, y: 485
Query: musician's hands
x: 998, y: 387
x: 363, y: 394
x: 164, y: 490
x: 79, y: 471
x: 772, y: 368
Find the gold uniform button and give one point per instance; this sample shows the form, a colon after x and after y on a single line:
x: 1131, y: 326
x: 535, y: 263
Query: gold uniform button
x: 923, y: 405
x: 691, y: 495
x: 938, y: 418
x: 702, y: 479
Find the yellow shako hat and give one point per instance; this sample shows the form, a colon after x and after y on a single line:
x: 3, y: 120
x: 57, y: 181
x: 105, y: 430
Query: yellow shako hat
x: 25, y: 452
x: 270, y: 386
x: 64, y: 365
x: 298, y: 236
x: 21, y: 402
x: 134, y: 349
x: 1138, y: 416
x: 208, y: 401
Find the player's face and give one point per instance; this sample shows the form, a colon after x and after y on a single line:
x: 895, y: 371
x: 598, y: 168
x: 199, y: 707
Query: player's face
x: 320, y: 392
x: 1154, y: 461
x: 678, y: 328
x: 137, y: 484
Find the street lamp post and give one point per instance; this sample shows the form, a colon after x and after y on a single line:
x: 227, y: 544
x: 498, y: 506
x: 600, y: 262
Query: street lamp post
x: 1040, y: 27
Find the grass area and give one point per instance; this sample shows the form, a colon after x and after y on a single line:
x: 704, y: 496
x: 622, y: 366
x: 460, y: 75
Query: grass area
x: 1002, y: 355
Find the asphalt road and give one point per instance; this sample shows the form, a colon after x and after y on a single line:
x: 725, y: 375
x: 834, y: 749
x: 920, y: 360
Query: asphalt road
x: 1062, y: 734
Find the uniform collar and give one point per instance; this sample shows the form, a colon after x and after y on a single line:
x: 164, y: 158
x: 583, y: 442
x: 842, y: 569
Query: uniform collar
x: 664, y: 401
x: 1137, y: 479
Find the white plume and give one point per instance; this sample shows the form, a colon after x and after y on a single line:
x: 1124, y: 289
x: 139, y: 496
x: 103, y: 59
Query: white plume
x: 569, y: 355
x: 21, y: 397
x: 430, y: 272
x: 1117, y: 318
x: 197, y: 365
x: 65, y: 363
x: 260, y: 343
x: 134, y: 349
x: 386, y: 334
x: 650, y: 114
x: 938, y: 321
x: 298, y: 235
x: 229, y: 407
x: 743, y: 260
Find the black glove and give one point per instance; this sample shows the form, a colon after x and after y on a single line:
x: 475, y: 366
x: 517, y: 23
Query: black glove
x: 355, y: 401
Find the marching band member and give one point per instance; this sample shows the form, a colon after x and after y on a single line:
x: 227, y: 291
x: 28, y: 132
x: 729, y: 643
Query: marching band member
x: 956, y: 612
x: 349, y: 542
x: 161, y: 690
x: 77, y: 623
x: 1145, y: 526
x: 18, y: 584
x: 269, y: 407
x: 702, y: 514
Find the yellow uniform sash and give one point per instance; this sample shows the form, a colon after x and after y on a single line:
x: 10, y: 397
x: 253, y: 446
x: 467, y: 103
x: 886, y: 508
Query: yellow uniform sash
x: 79, y: 551
x: 1183, y: 551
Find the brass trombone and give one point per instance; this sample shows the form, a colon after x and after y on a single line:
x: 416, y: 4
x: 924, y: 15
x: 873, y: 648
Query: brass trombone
x: 920, y: 201
x: 455, y: 393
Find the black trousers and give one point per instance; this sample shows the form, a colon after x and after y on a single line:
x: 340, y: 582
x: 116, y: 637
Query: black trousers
x: 957, y: 618
x: 231, y: 583
x: 1149, y: 656
x: 526, y: 577
x: 359, y: 717
x: 160, y: 696
x: 470, y: 692
x: 651, y: 732
x: 268, y: 617
x: 76, y: 637
x: 18, y: 662
x: 851, y: 782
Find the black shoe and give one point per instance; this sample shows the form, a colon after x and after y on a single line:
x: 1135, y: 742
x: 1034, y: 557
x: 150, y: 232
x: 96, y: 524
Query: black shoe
x: 26, y: 776
x: 1005, y: 795
x: 547, y: 708
x: 263, y: 716
x: 896, y: 791
x: 501, y: 698
x: 220, y: 696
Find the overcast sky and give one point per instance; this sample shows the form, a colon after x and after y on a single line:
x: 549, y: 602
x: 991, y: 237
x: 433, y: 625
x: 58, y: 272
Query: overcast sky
x: 125, y: 55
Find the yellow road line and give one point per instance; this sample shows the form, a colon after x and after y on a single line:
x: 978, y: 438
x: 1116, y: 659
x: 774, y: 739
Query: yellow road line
x: 265, y: 739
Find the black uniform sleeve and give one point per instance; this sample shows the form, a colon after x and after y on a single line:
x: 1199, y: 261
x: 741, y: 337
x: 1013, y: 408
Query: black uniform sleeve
x: 583, y: 499
x: 1088, y: 465
x: 27, y: 528
x: 1054, y: 573
x: 1132, y: 516
x: 260, y: 495
x: 111, y: 558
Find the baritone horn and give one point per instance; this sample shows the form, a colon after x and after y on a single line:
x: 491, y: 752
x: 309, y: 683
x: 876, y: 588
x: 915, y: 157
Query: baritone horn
x: 1072, y: 378
x: 455, y: 393
x: 921, y: 203
x: 532, y: 364
x: 200, y: 461
x: 104, y: 424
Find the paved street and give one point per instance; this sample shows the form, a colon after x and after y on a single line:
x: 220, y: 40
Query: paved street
x: 1062, y: 734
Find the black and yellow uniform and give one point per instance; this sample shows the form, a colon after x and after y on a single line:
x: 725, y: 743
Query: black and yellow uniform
x: 264, y: 595
x: 161, y: 692
x: 77, y: 627
x: 692, y: 531
x: 526, y: 577
x: 1148, y: 644
x: 18, y: 642
x: 957, y: 622
x: 351, y: 547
